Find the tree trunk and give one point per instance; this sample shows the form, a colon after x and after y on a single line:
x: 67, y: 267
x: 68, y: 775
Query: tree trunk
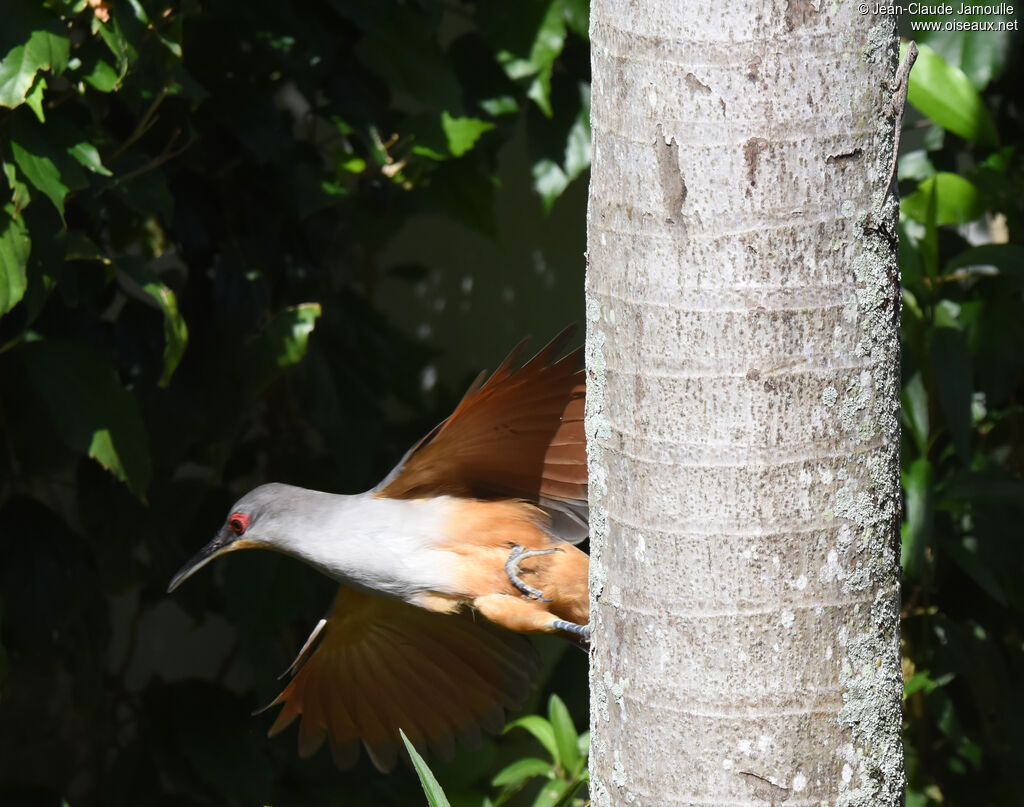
x: 743, y: 396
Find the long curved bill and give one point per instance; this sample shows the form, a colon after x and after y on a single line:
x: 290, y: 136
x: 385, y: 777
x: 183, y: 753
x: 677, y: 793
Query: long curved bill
x: 223, y: 542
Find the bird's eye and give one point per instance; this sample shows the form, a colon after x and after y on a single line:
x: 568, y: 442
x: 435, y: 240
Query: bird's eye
x: 238, y: 522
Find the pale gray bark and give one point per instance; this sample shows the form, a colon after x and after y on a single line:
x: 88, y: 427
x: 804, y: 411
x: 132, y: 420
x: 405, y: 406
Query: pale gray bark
x: 742, y: 350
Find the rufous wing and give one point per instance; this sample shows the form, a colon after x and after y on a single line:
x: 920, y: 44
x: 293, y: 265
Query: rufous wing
x: 382, y: 665
x: 518, y: 434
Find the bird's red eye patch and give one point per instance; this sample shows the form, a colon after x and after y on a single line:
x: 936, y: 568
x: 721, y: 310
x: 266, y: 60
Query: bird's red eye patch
x: 238, y: 522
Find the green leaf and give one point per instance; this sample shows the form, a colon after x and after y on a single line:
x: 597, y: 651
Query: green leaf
x: 45, y: 164
x: 915, y: 798
x: 981, y: 55
x: 140, y: 13
x: 521, y: 770
x: 89, y: 157
x: 15, y: 246
x: 282, y: 343
x: 568, y: 797
x: 583, y: 743
x: 911, y: 269
x: 102, y: 77
x: 565, y: 735
x: 958, y: 200
x: 462, y: 133
x: 428, y: 136
x: 552, y: 793
x: 540, y: 90
x: 916, y: 165
x: 499, y: 105
x: 113, y: 36
x: 944, y: 94
x: 914, y: 398
x: 546, y: 48
x: 288, y: 333
x: 352, y: 164
x: 434, y: 793
x: 928, y: 247
x: 175, y: 329
x: 41, y: 170
x: 20, y: 195
x: 539, y: 728
x: 42, y: 45
x: 549, y: 180
x: 93, y: 414
x: 918, y: 487
x: 528, y: 37
x: 143, y: 17
x: 34, y: 99
x: 577, y: 17
x: 922, y: 681
x: 81, y: 248
x: 577, y: 144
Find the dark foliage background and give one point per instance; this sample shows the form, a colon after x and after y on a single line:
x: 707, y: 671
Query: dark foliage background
x: 245, y: 241
x: 201, y: 253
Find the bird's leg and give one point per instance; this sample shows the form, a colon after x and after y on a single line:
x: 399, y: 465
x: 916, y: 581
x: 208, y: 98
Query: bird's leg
x: 512, y: 570
x: 580, y: 630
x: 525, y: 615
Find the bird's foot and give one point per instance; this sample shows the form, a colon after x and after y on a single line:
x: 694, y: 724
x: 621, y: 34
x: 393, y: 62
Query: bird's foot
x: 512, y: 570
x: 582, y: 631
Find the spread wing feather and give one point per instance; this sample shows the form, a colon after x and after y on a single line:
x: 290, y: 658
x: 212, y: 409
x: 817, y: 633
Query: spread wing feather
x: 518, y: 434
x: 382, y: 664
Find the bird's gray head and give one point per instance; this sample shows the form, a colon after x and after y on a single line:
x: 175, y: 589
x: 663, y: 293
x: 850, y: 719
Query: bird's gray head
x: 249, y: 524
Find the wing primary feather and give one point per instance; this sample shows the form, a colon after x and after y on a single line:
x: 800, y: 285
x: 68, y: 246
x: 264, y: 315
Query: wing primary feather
x: 438, y: 688
x: 469, y: 736
x: 518, y: 669
x: 497, y: 442
x: 379, y: 665
x: 320, y: 687
x: 345, y: 754
x: 341, y: 726
x: 443, y: 747
x: 312, y: 730
x: 367, y: 719
x: 493, y: 720
x: 439, y: 695
x: 398, y: 710
x: 288, y: 713
x: 383, y: 755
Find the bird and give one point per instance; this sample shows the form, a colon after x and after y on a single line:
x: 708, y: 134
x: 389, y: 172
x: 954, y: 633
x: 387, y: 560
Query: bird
x: 426, y: 631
